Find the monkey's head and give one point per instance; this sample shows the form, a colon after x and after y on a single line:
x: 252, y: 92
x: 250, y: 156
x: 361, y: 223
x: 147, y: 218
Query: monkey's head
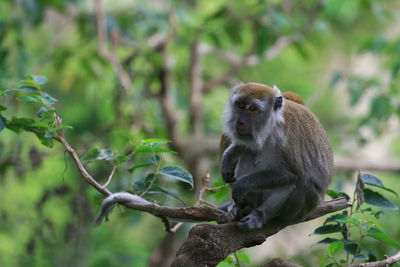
x: 252, y: 114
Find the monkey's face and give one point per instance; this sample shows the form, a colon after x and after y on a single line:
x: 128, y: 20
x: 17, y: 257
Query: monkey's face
x: 252, y: 113
x: 246, y: 117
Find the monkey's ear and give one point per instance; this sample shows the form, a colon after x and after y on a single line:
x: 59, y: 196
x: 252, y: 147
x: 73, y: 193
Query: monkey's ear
x: 278, y: 102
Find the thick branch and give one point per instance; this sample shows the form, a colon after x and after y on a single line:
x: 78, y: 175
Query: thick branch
x: 208, y: 244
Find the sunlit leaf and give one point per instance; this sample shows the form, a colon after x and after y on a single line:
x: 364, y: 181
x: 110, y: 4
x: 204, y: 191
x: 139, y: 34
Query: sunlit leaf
x: 40, y: 124
x: 178, y: 174
x: 379, y: 235
x: 376, y: 199
x: 243, y: 257
x: 335, y: 247
x: 141, y: 149
x: 221, y: 193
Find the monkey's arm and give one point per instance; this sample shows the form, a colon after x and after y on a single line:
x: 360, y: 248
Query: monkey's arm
x: 229, y: 162
x: 262, y: 180
x: 108, y: 204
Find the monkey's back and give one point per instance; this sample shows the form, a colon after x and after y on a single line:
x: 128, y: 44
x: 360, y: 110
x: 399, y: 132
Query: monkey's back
x: 307, y: 148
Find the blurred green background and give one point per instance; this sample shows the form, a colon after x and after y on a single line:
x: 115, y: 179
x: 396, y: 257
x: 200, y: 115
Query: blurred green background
x: 130, y: 69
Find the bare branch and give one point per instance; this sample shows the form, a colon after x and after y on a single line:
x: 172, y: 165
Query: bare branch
x: 110, y: 176
x: 76, y: 159
x: 390, y: 260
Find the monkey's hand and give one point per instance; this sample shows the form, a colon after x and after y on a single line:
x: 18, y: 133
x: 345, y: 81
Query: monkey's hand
x: 108, y: 204
x: 228, y: 173
x: 252, y: 221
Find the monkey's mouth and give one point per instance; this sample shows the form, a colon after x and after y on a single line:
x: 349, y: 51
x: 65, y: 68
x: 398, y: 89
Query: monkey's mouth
x: 243, y: 134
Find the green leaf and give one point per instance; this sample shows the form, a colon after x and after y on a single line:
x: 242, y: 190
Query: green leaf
x: 222, y: 193
x: 371, y: 254
x: 121, y: 159
x: 3, y: 123
x: 17, y: 125
x: 40, y: 124
x: 379, y: 235
x: 335, y: 79
x: 334, y: 194
x: 376, y: 199
x: 139, y: 187
x: 48, y: 99
x: 154, y: 142
x: 39, y: 79
x: 243, y: 257
x: 2, y: 108
x: 141, y: 149
x: 41, y: 111
x: 327, y: 229
x: 335, y: 247
x: 342, y: 219
x: 375, y: 181
x: 350, y: 247
x: 327, y: 240
x: 322, y: 262
x: 157, y: 188
x: 64, y: 127
x: 26, y: 89
x: 178, y: 174
x: 30, y: 99
x: 45, y: 141
x: 91, y: 155
x: 140, y: 165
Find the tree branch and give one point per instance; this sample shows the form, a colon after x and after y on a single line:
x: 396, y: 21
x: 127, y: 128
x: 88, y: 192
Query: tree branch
x: 390, y: 260
x: 208, y: 244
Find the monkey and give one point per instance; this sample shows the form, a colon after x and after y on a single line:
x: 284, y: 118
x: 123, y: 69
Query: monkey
x: 275, y: 154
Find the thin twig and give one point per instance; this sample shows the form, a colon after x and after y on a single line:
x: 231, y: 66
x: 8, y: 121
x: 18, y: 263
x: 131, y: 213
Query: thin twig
x: 110, y: 176
x: 60, y: 138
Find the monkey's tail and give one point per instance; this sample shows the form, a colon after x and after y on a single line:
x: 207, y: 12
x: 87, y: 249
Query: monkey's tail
x: 108, y: 204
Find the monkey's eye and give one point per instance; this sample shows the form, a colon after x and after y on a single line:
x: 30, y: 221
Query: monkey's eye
x: 240, y: 105
x: 252, y: 108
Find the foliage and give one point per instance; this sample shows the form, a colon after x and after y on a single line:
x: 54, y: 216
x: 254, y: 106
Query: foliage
x: 354, y: 224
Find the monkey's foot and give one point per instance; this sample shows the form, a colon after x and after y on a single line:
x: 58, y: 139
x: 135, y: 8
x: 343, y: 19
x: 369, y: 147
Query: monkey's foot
x: 252, y: 221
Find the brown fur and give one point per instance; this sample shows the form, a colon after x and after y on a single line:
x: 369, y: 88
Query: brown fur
x: 293, y: 97
x: 256, y: 90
